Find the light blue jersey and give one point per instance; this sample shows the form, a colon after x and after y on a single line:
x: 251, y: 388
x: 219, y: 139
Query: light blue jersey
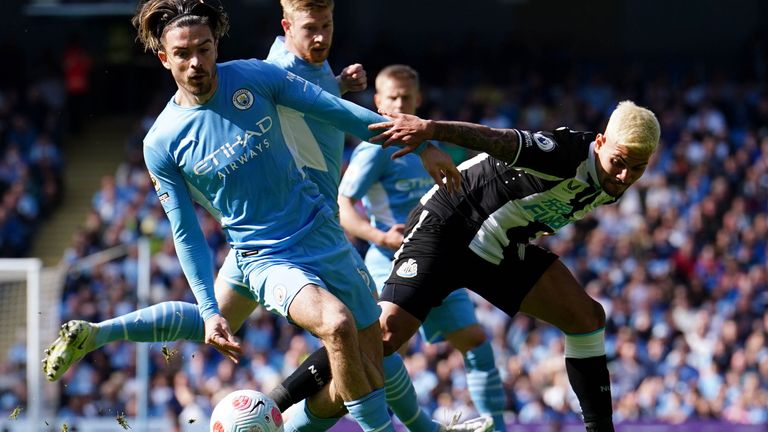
x: 231, y: 155
x: 389, y: 190
x: 319, y: 145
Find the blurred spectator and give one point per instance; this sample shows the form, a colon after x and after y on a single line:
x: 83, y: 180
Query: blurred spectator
x: 76, y: 65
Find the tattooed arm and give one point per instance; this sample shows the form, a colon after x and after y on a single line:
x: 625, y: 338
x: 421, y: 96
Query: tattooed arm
x: 411, y: 130
x: 499, y: 143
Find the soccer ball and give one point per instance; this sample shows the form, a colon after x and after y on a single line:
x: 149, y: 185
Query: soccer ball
x: 246, y: 411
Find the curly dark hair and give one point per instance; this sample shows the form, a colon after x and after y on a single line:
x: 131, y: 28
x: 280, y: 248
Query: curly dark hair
x: 154, y: 17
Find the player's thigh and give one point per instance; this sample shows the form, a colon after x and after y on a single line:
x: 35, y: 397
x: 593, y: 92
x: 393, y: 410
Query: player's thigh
x: 457, y: 312
x: 506, y: 284
x: 421, y: 279
x: 329, y: 255
x: 397, y: 326
x: 560, y: 300
x: 276, y: 282
x: 315, y: 309
x: 233, y: 295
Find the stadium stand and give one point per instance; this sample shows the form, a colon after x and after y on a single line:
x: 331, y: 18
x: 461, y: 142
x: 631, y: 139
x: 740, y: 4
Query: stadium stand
x: 31, y: 162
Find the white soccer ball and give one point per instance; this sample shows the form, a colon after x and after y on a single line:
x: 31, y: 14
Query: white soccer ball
x: 246, y: 411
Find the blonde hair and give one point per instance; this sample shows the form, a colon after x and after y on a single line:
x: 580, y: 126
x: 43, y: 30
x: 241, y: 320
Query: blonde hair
x: 397, y: 72
x: 292, y: 6
x: 634, y: 127
x: 154, y: 17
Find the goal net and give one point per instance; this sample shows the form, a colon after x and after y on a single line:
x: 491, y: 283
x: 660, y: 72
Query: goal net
x: 28, y: 315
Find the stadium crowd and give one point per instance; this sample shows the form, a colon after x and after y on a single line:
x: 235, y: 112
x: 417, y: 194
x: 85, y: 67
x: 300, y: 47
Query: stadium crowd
x: 679, y: 266
x: 31, y: 162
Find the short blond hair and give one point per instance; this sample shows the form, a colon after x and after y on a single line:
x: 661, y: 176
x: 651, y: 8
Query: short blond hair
x: 634, y: 127
x: 292, y: 6
x: 398, y: 72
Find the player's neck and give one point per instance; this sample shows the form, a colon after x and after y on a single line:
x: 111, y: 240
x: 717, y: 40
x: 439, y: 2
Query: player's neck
x: 187, y: 99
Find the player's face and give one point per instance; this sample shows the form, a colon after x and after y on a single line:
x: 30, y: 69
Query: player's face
x: 309, y: 34
x: 190, y: 54
x: 397, y: 96
x: 617, y: 166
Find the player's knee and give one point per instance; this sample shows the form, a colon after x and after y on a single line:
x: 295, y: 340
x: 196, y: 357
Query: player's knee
x: 393, y: 336
x: 592, y: 318
x: 598, y: 314
x: 338, y: 326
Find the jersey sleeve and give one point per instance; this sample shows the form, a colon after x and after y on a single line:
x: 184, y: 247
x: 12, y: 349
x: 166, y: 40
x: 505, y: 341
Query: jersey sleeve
x: 366, y: 167
x: 552, y: 153
x: 295, y: 92
x: 191, y: 247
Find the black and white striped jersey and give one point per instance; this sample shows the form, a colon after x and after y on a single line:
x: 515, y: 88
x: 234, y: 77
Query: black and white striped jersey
x: 551, y: 183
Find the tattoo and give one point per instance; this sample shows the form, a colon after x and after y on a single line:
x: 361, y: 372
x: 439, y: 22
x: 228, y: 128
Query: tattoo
x: 499, y: 143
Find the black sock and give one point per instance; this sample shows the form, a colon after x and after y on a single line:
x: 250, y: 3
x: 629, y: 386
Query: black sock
x: 592, y: 385
x: 311, y: 375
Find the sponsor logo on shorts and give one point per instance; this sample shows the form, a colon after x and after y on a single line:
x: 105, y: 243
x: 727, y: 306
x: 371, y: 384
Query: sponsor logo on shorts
x: 544, y: 143
x: 242, y: 99
x: 280, y: 293
x: 408, y: 269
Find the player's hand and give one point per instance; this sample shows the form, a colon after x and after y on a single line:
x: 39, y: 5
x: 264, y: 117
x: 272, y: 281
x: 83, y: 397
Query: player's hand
x: 439, y: 164
x: 218, y: 334
x: 405, y: 129
x: 393, y: 238
x: 352, y: 78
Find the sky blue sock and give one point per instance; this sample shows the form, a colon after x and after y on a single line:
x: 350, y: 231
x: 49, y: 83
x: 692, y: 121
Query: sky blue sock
x: 167, y: 321
x: 401, y: 396
x: 303, y: 420
x: 484, y: 384
x: 370, y: 411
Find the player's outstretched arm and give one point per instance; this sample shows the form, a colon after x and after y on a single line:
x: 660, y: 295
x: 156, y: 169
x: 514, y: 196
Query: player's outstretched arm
x: 412, y: 130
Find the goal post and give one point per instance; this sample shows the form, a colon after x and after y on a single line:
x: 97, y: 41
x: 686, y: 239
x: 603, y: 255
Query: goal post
x: 22, y: 277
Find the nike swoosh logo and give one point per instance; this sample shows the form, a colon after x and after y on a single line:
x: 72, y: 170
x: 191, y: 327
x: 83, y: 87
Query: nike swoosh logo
x: 258, y: 404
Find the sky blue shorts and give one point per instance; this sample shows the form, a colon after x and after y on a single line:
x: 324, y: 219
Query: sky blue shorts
x: 232, y: 274
x: 323, y: 258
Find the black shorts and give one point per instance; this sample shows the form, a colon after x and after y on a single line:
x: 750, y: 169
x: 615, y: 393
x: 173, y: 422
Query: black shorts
x: 435, y: 260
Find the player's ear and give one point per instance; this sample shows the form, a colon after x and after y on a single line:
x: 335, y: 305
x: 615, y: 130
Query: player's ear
x: 376, y: 99
x: 163, y: 56
x: 599, y: 141
x: 285, y: 24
